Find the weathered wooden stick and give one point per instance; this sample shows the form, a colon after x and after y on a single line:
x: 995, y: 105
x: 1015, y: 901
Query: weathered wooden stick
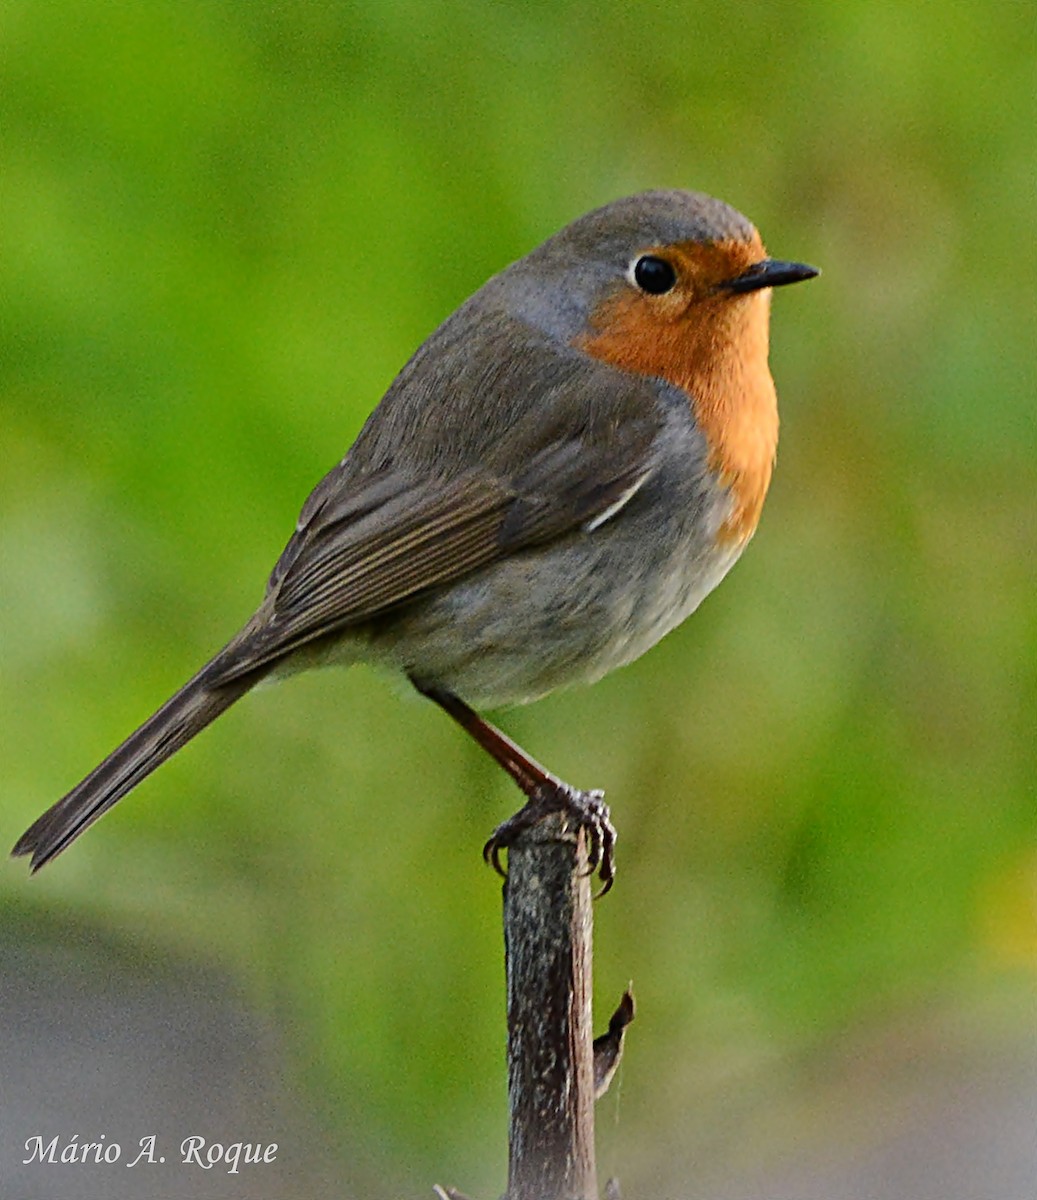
x: 547, y: 939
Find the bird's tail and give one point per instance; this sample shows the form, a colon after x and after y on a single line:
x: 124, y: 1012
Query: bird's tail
x: 194, y: 706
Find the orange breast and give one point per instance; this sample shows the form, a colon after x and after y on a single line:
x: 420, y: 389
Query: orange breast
x: 715, y: 349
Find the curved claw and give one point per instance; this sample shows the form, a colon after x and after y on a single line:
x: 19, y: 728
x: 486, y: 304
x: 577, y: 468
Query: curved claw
x: 601, y: 852
x: 589, y: 812
x: 491, y: 854
x: 608, y: 872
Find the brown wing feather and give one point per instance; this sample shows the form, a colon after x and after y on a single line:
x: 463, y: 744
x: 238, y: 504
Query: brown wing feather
x: 345, y: 572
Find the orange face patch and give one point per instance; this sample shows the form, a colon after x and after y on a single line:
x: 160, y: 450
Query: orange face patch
x: 713, y: 345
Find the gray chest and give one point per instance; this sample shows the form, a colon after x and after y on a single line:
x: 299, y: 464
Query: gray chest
x: 573, y: 611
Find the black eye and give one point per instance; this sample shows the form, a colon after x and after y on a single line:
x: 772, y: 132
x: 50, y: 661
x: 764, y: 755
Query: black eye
x: 654, y: 275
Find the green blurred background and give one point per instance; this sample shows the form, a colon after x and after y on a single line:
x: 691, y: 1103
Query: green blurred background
x: 223, y: 228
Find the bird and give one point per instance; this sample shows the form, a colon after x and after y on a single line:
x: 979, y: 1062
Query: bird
x: 557, y: 478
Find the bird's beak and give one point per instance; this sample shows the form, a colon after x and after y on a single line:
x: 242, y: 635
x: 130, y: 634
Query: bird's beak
x: 769, y: 273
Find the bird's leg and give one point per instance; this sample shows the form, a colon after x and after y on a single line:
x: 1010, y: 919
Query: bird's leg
x: 545, y: 793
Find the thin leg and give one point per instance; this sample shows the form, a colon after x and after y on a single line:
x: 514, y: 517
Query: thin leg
x: 526, y: 772
x: 545, y: 793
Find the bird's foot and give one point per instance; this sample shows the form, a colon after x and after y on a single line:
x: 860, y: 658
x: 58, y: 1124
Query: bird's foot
x: 587, y: 810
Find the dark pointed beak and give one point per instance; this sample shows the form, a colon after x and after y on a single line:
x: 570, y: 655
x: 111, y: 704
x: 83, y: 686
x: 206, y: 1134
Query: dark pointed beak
x: 769, y: 273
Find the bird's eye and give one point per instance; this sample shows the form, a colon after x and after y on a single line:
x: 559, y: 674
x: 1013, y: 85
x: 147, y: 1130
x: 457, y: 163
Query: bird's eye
x: 654, y: 275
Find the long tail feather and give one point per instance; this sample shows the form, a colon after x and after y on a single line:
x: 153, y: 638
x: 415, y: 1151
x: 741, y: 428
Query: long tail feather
x: 194, y: 706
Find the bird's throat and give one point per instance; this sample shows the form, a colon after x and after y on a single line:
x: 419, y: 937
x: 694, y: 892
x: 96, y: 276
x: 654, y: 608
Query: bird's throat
x: 717, y: 354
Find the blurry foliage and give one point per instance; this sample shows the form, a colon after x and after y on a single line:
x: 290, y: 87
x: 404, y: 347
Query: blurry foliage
x: 225, y: 226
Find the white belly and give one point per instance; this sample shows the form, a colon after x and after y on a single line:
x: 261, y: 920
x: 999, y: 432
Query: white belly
x: 556, y: 616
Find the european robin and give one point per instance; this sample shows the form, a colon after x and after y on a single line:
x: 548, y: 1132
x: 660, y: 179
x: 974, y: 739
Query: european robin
x: 560, y: 474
